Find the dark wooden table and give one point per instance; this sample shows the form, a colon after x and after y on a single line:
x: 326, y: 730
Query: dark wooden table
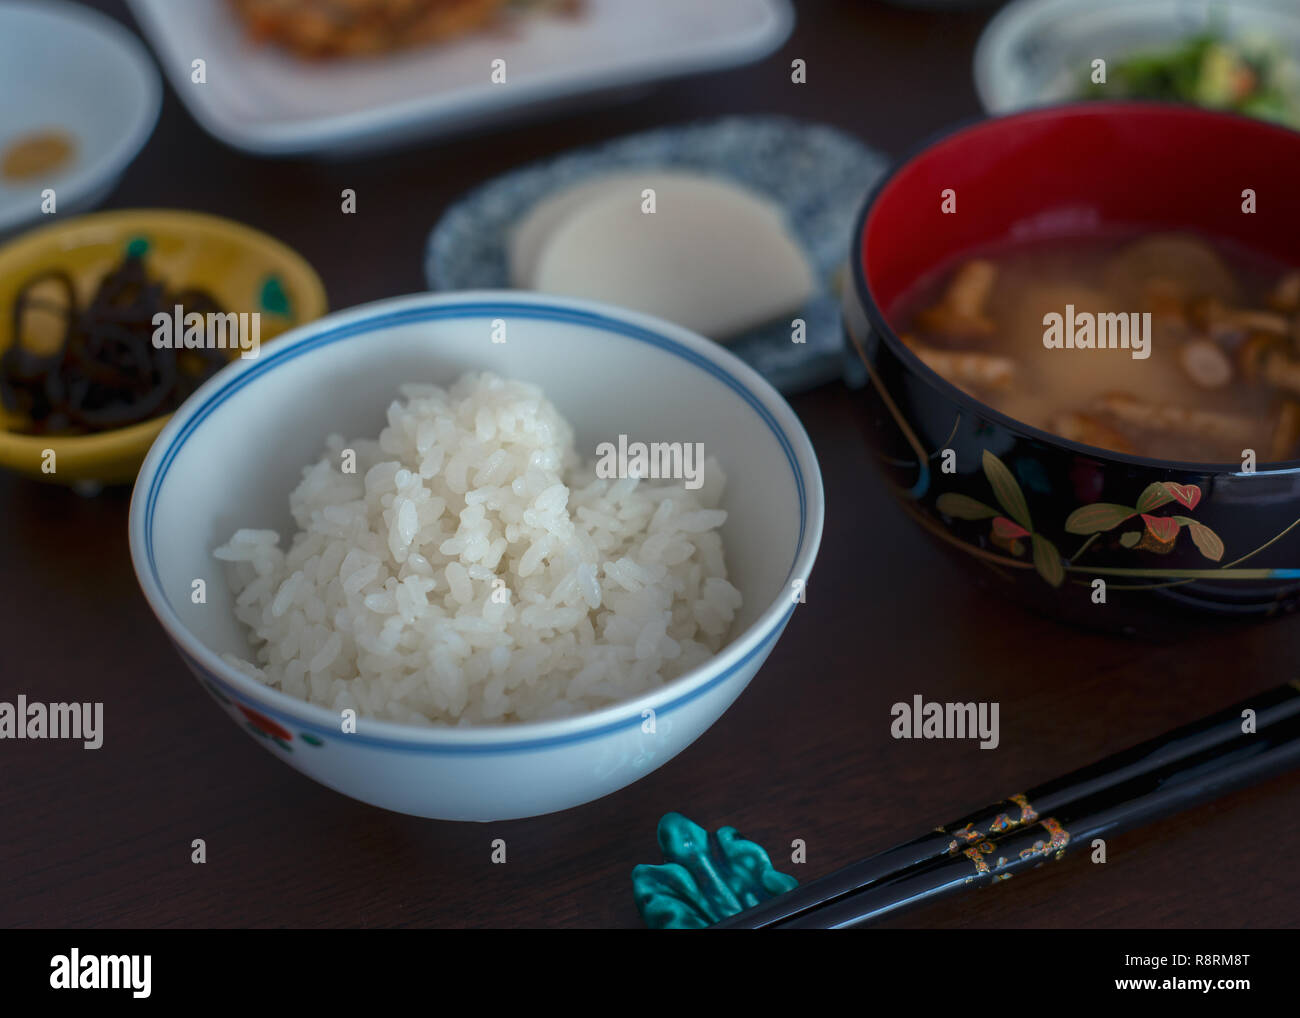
x: 103, y: 838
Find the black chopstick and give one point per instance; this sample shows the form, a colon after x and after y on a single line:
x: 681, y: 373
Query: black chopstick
x: 1130, y: 775
x: 1059, y: 836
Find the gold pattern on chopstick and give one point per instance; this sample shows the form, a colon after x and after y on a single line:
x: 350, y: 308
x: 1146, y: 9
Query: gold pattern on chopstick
x: 1060, y: 838
x: 999, y: 824
x: 976, y: 855
x: 1054, y: 846
x: 1027, y: 812
x: 1003, y: 822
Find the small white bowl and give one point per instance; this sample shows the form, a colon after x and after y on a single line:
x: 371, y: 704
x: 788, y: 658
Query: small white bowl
x: 230, y: 456
x: 68, y: 69
x: 1035, y: 52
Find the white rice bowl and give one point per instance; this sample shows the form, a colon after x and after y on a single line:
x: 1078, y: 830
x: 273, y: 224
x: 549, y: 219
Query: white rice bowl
x: 472, y: 569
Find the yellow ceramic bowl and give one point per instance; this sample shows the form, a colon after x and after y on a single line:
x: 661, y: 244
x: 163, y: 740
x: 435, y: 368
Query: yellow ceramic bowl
x: 244, y: 269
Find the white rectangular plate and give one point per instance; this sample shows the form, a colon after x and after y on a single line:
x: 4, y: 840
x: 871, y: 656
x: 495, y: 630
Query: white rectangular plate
x: 269, y: 102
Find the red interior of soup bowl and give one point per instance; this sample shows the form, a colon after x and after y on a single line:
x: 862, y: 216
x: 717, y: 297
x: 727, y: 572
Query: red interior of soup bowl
x: 1077, y: 169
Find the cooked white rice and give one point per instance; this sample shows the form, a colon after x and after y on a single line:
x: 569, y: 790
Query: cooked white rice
x: 384, y: 601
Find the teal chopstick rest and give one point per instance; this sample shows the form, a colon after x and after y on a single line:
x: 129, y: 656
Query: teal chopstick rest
x: 705, y: 877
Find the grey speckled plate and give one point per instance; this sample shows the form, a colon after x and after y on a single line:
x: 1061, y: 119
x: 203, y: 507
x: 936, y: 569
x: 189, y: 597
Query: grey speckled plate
x: 817, y: 174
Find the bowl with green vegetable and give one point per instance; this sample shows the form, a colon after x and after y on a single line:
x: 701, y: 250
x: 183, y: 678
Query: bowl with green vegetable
x: 1242, y: 57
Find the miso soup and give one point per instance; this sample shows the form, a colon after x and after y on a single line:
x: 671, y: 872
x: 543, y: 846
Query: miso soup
x: 1164, y: 345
